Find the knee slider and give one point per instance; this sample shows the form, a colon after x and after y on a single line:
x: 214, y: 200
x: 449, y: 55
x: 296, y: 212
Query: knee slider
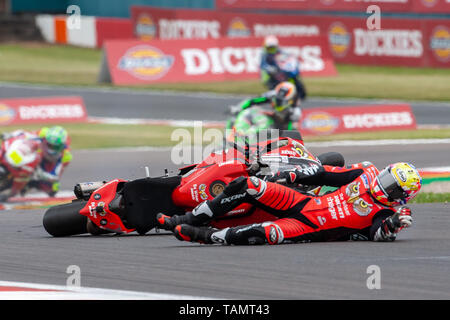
x: 274, y: 234
x: 255, y: 187
x: 246, y: 235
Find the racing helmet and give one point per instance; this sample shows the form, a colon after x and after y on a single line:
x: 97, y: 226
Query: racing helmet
x: 54, y: 141
x: 396, y: 184
x: 271, y: 44
x: 285, y: 96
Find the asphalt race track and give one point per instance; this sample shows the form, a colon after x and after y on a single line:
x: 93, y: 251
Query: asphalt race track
x: 413, y: 267
x: 191, y: 106
x: 416, y: 266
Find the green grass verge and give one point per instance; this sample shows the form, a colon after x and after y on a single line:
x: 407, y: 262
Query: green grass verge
x: 67, y: 65
x: 430, y: 197
x: 49, y: 64
x: 384, y: 83
x: 92, y: 135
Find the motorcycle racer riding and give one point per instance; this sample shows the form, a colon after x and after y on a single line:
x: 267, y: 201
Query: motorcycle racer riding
x: 55, y: 156
x: 284, y: 102
x: 270, y: 70
x: 363, y: 207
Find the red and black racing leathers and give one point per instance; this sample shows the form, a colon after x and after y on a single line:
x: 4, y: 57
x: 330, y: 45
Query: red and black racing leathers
x: 347, y: 212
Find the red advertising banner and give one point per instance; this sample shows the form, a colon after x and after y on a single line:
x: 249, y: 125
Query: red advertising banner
x: 431, y: 6
x: 264, y: 4
x: 400, y: 6
x: 150, y: 23
x: 406, y: 42
x: 399, y: 41
x: 331, y: 120
x: 42, y: 110
x: 144, y: 62
x: 437, y: 43
x: 112, y: 28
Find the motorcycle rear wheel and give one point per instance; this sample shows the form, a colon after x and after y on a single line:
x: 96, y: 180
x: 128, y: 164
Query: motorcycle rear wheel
x: 65, y: 220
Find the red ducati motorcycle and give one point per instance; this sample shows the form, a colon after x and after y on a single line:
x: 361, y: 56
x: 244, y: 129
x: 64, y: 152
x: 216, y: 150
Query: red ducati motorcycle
x: 19, y: 158
x: 121, y: 206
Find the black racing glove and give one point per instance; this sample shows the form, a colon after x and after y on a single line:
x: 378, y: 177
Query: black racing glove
x: 392, y: 225
x: 400, y: 219
x: 284, y: 177
x: 297, y: 175
x: 257, y: 168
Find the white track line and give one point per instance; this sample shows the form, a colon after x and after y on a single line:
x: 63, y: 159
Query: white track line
x: 384, y: 142
x: 203, y: 123
x: 436, y: 169
x: 81, y: 293
x: 317, y: 144
x: 165, y: 122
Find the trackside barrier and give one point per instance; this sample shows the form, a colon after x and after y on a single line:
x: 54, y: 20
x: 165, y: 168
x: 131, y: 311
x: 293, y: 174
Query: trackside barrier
x: 316, y: 121
x: 399, y: 41
x: 42, y: 110
x: 90, y: 33
x: 398, y: 6
x: 130, y: 62
x: 333, y: 120
x: 421, y: 42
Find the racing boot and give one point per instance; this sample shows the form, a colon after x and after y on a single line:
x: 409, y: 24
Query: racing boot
x: 169, y: 223
x: 233, y: 195
x: 242, y: 235
x: 185, y: 232
x: 201, y: 215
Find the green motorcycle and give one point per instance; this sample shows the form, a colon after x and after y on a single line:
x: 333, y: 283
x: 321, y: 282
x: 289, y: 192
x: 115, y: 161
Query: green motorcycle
x: 248, y: 122
x: 248, y: 125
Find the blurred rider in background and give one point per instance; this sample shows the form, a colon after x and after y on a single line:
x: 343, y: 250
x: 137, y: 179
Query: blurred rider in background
x: 284, y: 103
x: 271, y: 73
x: 55, y: 155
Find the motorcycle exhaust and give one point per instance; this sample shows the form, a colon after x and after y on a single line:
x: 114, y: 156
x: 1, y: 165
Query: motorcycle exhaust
x: 84, y: 190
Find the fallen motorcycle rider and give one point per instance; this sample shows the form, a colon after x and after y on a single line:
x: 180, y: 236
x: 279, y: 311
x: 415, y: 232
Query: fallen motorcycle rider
x: 363, y: 207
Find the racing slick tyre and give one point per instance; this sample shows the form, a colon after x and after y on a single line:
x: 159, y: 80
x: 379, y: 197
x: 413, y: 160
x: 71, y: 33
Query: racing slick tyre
x: 293, y: 134
x: 65, y: 220
x: 334, y: 159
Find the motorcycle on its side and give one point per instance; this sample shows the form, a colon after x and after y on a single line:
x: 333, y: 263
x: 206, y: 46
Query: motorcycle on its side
x: 121, y: 206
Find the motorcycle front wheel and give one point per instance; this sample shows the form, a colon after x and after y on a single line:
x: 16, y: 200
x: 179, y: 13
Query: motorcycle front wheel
x: 335, y: 159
